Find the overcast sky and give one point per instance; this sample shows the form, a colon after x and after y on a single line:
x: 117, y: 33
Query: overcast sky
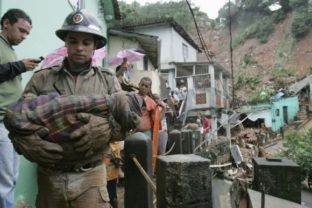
x: 211, y: 7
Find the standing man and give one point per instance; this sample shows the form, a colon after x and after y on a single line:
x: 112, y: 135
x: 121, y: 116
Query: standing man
x: 148, y: 108
x: 70, y: 170
x: 15, y: 27
x: 206, y: 123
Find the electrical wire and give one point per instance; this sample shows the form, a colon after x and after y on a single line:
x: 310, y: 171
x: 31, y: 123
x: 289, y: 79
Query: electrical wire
x: 201, y: 39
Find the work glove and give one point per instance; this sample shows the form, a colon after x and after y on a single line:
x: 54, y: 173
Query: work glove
x: 36, y: 149
x: 93, y: 137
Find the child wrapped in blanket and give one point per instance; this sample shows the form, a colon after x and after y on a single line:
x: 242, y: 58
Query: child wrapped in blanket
x: 61, y: 115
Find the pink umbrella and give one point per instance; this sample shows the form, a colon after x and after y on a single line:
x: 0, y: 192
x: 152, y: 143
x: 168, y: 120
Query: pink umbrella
x: 57, y: 56
x: 130, y: 54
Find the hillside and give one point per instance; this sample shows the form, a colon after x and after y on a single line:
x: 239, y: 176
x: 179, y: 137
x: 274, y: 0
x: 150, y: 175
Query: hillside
x: 272, y: 65
x: 271, y: 48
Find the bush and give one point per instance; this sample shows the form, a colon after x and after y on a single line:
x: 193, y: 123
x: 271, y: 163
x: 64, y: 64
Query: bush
x: 261, y: 30
x: 301, y: 22
x: 279, y: 16
x: 264, y: 29
x: 294, y: 4
x: 279, y: 72
x: 262, y: 95
x: 281, y: 76
x: 247, y: 60
x: 246, y: 81
x: 299, y: 148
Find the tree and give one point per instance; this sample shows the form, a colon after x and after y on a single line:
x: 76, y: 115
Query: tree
x: 301, y: 23
x: 224, y: 12
x: 299, y: 148
x: 179, y: 11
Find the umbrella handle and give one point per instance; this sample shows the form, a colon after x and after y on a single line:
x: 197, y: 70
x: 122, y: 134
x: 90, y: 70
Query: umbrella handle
x: 124, y: 62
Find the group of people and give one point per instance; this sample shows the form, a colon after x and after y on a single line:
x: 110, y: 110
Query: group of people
x: 202, y: 124
x: 72, y: 161
x: 152, y: 104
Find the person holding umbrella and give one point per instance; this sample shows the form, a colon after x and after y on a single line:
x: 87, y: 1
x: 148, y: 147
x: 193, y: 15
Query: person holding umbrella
x: 123, y: 74
x: 124, y: 60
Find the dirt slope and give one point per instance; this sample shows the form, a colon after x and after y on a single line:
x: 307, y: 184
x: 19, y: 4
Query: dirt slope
x: 281, y: 50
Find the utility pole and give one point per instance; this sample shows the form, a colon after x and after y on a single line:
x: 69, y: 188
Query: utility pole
x: 231, y: 55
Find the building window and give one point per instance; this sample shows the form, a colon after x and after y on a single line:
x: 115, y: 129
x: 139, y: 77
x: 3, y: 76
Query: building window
x: 145, y: 63
x: 185, y: 51
x: 200, y: 98
x: 201, y: 81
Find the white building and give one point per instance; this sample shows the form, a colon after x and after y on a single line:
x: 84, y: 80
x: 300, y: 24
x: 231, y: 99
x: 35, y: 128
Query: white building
x: 175, y: 44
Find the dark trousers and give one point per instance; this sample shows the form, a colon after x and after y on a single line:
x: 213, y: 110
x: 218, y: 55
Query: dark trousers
x: 112, y: 189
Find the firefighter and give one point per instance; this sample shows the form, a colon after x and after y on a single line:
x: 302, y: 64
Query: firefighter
x: 70, y: 172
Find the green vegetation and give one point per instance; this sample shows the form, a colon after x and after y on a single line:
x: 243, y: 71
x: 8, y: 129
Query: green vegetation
x: 246, y: 81
x: 299, y: 148
x: 247, y: 60
x: 279, y: 16
x: 280, y: 72
x: 301, y: 23
x: 261, y: 29
x: 261, y: 96
x: 179, y: 11
x: 262, y: 24
x: 297, y: 3
x: 285, y: 48
x: 250, y: 18
x: 251, y: 83
x: 281, y: 75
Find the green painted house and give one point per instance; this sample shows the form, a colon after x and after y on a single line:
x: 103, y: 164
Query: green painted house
x: 276, y: 114
x: 284, y: 112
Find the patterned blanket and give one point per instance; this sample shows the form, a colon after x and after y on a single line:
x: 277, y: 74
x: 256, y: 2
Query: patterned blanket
x: 59, y: 113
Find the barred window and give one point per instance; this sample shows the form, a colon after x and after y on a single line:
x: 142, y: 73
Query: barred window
x: 201, y: 81
x: 201, y: 69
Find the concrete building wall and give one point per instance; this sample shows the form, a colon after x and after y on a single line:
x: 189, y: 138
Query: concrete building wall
x: 264, y: 114
x: 171, y: 45
x: 284, y: 111
x: 158, y: 84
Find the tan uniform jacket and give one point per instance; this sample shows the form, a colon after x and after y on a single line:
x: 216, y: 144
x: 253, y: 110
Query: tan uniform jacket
x: 96, y: 80
x: 58, y: 79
